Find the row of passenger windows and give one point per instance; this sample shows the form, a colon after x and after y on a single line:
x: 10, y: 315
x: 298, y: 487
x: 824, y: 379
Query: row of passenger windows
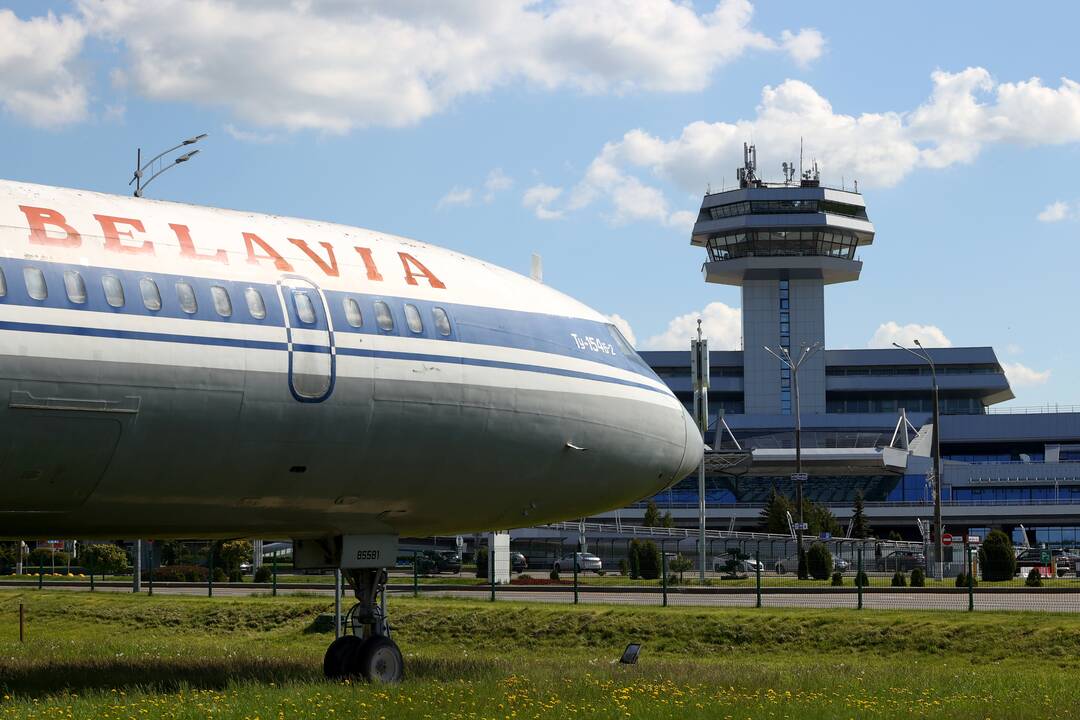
x: 75, y: 288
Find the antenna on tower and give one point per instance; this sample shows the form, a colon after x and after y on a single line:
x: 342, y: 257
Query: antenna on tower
x: 800, y: 157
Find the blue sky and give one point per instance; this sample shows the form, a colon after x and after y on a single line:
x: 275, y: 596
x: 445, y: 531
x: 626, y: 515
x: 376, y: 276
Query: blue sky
x: 587, y: 131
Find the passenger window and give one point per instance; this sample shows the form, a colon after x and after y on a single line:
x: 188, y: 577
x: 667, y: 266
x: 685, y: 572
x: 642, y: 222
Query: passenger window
x: 35, y: 283
x: 442, y: 321
x: 255, y: 303
x: 383, y: 318
x: 412, y: 318
x: 3, y: 284
x: 305, y: 310
x: 352, y: 312
x: 151, y: 296
x: 222, y: 303
x: 114, y: 291
x: 186, y: 295
x: 75, y: 286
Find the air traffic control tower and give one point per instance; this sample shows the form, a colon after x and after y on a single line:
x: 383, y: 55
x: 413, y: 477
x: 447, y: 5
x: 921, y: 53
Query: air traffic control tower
x: 782, y: 243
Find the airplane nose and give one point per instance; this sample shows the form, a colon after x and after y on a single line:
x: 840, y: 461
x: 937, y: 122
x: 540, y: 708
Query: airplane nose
x: 692, y: 452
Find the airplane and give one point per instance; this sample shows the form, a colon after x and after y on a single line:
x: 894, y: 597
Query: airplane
x: 171, y: 370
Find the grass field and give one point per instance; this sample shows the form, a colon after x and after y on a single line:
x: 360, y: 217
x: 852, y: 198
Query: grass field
x: 128, y: 656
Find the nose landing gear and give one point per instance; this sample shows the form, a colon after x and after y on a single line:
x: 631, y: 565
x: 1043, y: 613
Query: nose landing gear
x: 368, y: 652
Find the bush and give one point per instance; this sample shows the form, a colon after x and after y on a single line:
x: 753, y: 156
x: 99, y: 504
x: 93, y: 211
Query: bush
x: 264, y: 574
x: 997, y: 558
x: 481, y: 562
x: 634, y: 559
x: 819, y: 561
x: 672, y: 579
x: 230, y: 555
x: 624, y: 567
x: 837, y: 579
x: 39, y: 557
x: 105, y: 559
x: 649, y: 559
x: 899, y: 579
x: 1034, y: 579
x: 554, y: 574
x: 918, y: 578
x: 861, y: 580
x: 179, y: 573
x: 680, y: 564
x: 962, y: 580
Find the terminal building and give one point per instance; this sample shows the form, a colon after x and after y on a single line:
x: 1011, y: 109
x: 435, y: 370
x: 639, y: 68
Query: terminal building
x: 1013, y: 469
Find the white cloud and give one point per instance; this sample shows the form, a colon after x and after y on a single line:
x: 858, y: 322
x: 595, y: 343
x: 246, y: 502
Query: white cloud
x: 906, y: 335
x: 456, y: 196
x: 720, y: 323
x: 39, y: 81
x: 1054, y: 212
x: 334, y: 65
x: 497, y: 181
x: 539, y: 197
x: 965, y: 112
x: 1014, y: 349
x: 249, y: 136
x: 624, y: 327
x: 1023, y: 376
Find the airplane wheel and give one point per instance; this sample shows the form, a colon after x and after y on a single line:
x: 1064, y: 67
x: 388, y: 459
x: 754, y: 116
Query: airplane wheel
x: 380, y: 661
x: 340, y: 659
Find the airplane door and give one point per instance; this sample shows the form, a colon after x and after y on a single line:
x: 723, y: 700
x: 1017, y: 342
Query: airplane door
x: 309, y: 333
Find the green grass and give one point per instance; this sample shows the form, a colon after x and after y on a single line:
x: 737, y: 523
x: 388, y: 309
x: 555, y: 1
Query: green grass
x: 121, y: 655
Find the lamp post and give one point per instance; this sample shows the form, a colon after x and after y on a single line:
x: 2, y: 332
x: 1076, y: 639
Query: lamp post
x: 785, y: 357
x: 141, y: 168
x: 923, y: 355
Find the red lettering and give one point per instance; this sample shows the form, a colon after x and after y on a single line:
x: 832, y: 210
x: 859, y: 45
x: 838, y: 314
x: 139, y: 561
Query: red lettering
x: 332, y: 268
x: 251, y: 239
x: 112, y: 235
x: 38, y: 218
x: 410, y: 276
x: 369, y: 264
x: 187, y: 248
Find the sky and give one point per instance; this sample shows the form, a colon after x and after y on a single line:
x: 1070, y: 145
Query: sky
x: 587, y: 132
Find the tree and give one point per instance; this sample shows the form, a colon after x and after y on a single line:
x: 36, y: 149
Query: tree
x: 819, y: 561
x: 893, y: 535
x: 649, y: 560
x: 173, y: 552
x: 997, y: 558
x: 680, y: 564
x: 668, y: 520
x: 104, y: 559
x: 820, y: 519
x: 774, y: 514
x: 482, y: 563
x: 860, y: 526
x: 652, y: 515
x: 231, y: 554
x: 9, y: 554
x: 634, y: 559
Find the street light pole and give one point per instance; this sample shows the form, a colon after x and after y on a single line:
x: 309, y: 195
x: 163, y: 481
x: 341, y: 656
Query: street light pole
x: 936, y: 449
x: 141, y: 168
x: 785, y: 357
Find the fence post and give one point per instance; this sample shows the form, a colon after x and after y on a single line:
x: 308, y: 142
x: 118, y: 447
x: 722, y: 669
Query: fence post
x: 210, y: 575
x: 151, y: 570
x: 576, y: 573
x: 491, y: 567
x: 91, y: 582
x: 859, y: 576
x: 22, y: 622
x: 970, y: 577
x: 40, y: 573
x: 757, y: 579
x: 273, y: 575
x: 663, y: 576
x: 415, y: 573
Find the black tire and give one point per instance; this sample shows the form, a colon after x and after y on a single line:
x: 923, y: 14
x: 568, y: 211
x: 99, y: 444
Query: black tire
x: 380, y: 661
x: 341, y: 656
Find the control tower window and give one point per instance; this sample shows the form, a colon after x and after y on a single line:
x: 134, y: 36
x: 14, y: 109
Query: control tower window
x: 75, y: 286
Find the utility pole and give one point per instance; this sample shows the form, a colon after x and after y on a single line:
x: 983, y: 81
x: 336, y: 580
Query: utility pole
x: 939, y: 569
x: 699, y: 361
x: 785, y: 357
x: 141, y: 168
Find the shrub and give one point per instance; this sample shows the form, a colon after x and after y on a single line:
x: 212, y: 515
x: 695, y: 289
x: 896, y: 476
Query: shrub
x: 231, y: 554
x: 649, y: 559
x: 837, y: 578
x: 481, y: 562
x: 1034, y: 579
x: 819, y: 561
x: 178, y: 573
x: 219, y: 575
x: 899, y: 579
x: 264, y: 574
x: 861, y: 580
x: 39, y: 557
x: 624, y: 567
x: 672, y: 579
x: 997, y: 558
x: 554, y: 574
x: 962, y: 580
x: 680, y: 564
x: 918, y: 578
x: 105, y: 559
x: 634, y: 559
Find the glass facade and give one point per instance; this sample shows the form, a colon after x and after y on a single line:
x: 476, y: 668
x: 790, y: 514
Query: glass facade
x: 781, y: 207
x: 797, y: 243
x: 861, y: 403
x: 785, y: 343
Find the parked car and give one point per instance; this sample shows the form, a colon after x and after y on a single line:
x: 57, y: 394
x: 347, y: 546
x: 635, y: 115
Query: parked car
x: 902, y: 560
x: 1062, y: 560
x: 433, y: 562
x: 518, y: 563
x: 791, y: 564
x: 587, y: 562
x: 746, y: 565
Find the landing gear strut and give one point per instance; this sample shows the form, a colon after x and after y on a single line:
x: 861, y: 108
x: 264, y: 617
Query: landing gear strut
x: 367, y: 652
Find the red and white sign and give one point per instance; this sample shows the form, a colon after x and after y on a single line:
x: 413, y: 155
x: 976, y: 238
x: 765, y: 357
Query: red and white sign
x: 946, y: 539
